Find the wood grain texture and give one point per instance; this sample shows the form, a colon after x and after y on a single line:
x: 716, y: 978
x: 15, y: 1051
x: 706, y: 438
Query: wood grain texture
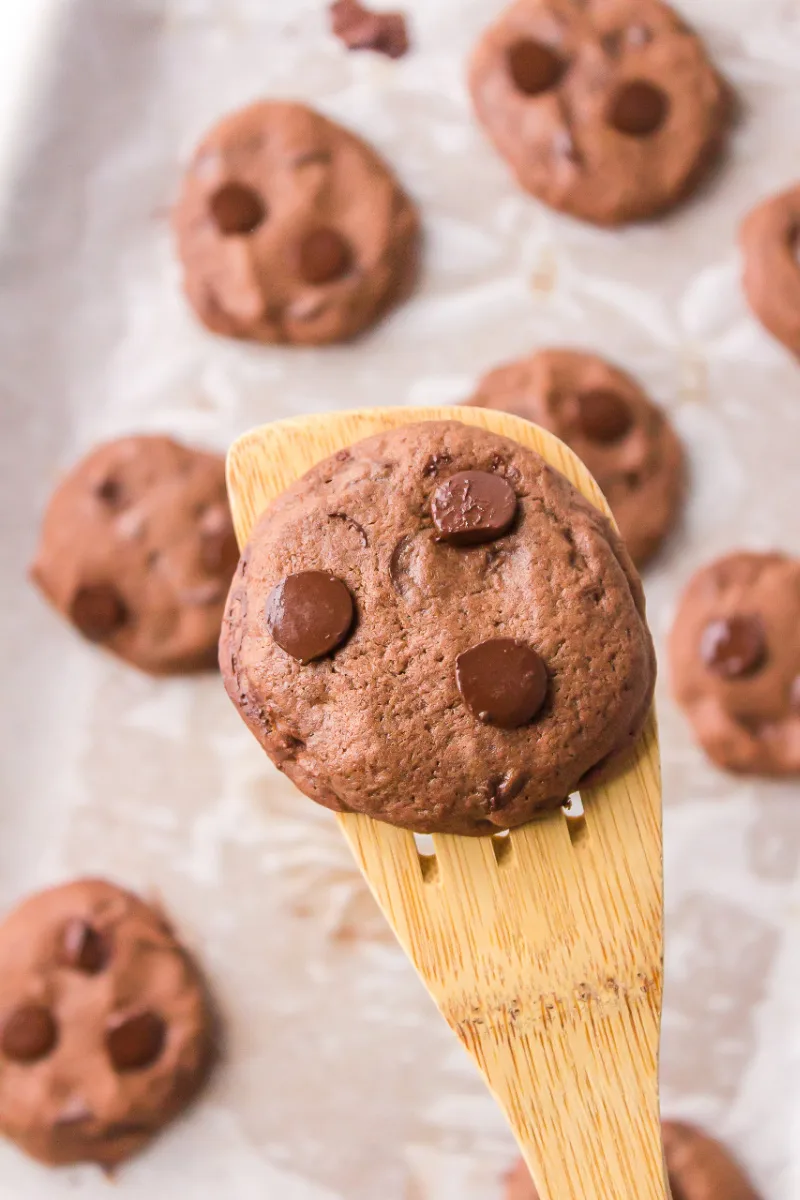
x: 542, y: 948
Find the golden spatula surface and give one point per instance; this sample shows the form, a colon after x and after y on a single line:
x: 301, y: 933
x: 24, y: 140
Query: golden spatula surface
x: 543, y: 947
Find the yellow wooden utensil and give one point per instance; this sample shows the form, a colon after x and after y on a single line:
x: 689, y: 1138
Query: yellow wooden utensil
x: 542, y: 948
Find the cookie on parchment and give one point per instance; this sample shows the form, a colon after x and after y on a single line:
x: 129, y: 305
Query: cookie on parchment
x: 105, y: 1029
x: 434, y: 628
x: 292, y: 229
x: 625, y: 440
x: 771, y: 277
x: 609, y: 111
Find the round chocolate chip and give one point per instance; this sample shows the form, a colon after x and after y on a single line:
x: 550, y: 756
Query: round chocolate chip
x: 82, y: 947
x: 97, y: 610
x: 310, y: 614
x: 502, y: 682
x: 472, y: 507
x: 534, y: 67
x: 324, y: 256
x: 111, y: 492
x: 136, y: 1042
x: 29, y: 1034
x: 604, y: 416
x: 638, y: 108
x: 734, y: 646
x: 236, y: 208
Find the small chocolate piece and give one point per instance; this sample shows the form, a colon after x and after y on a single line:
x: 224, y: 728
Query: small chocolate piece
x: 473, y: 507
x: 734, y: 646
x: 98, y: 611
x: 361, y: 29
x: 136, y: 1042
x: 604, y: 416
x: 638, y: 108
x: 29, y: 1034
x: 110, y: 491
x: 310, y: 614
x: 324, y: 256
x: 237, y: 209
x: 534, y: 67
x: 502, y: 681
x: 82, y: 947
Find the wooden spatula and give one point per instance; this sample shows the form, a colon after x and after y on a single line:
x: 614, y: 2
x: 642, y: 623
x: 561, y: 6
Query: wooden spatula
x: 542, y: 947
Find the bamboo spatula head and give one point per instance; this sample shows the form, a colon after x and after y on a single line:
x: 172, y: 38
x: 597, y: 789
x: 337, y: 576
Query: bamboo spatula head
x: 543, y: 947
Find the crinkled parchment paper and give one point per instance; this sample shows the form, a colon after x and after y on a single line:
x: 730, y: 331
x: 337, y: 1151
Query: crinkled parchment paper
x: 340, y: 1081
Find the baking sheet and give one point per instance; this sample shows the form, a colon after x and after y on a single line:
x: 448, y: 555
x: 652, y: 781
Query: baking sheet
x: 340, y: 1081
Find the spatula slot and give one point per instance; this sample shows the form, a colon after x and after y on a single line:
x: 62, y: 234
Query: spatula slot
x: 503, y: 846
x: 575, y: 815
x: 428, y: 863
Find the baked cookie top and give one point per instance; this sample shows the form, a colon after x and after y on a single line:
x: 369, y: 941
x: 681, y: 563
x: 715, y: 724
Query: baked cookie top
x: 434, y: 628
x: 624, y: 439
x: 292, y: 229
x: 609, y: 111
x: 771, y: 275
x: 137, y: 551
x: 105, y: 1031
x: 734, y: 653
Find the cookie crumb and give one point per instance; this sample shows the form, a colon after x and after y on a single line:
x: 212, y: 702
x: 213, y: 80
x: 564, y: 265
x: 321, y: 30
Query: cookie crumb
x: 361, y: 29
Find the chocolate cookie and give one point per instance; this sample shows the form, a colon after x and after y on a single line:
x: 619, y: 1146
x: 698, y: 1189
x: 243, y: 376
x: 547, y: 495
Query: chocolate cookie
x: 769, y: 240
x: 610, y: 112
x: 699, y: 1168
x: 623, y: 438
x: 137, y: 550
x: 105, y: 1031
x: 735, y: 660
x: 292, y: 229
x: 434, y: 628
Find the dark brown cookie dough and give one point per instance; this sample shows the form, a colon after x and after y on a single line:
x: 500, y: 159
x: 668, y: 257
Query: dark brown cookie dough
x: 105, y: 1030
x: 137, y: 550
x: 699, y: 1168
x: 769, y: 240
x: 403, y: 719
x: 610, y: 112
x: 292, y: 229
x: 735, y: 662
x: 623, y: 438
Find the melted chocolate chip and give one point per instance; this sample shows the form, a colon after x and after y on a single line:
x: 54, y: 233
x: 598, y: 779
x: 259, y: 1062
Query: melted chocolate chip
x: 734, y: 646
x: 534, y: 67
x: 310, y: 614
x: 97, y: 610
x: 82, y: 947
x: 638, y: 108
x: 604, y: 416
x: 435, y: 464
x: 324, y: 256
x: 29, y: 1034
x: 111, y: 492
x: 472, y: 507
x: 237, y: 209
x: 503, y: 682
x: 136, y: 1042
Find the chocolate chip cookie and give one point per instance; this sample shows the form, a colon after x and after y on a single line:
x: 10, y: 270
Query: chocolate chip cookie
x: 105, y: 1030
x: 735, y: 660
x: 292, y: 229
x: 611, y: 112
x: 434, y: 628
x: 699, y: 1168
x: 623, y: 438
x: 769, y: 240
x: 137, y: 551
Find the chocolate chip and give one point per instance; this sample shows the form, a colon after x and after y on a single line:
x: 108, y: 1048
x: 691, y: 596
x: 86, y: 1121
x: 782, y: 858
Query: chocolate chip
x: 502, y: 682
x: 604, y: 416
x: 29, y: 1034
x: 97, y: 610
x: 310, y: 614
x: 361, y: 29
x: 638, y: 108
x: 472, y: 507
x: 734, y: 646
x: 435, y: 463
x: 534, y: 67
x: 82, y: 947
x: 237, y: 209
x: 324, y: 256
x: 135, y: 1042
x: 111, y: 492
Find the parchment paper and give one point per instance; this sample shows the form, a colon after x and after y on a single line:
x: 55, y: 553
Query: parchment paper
x: 340, y: 1081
